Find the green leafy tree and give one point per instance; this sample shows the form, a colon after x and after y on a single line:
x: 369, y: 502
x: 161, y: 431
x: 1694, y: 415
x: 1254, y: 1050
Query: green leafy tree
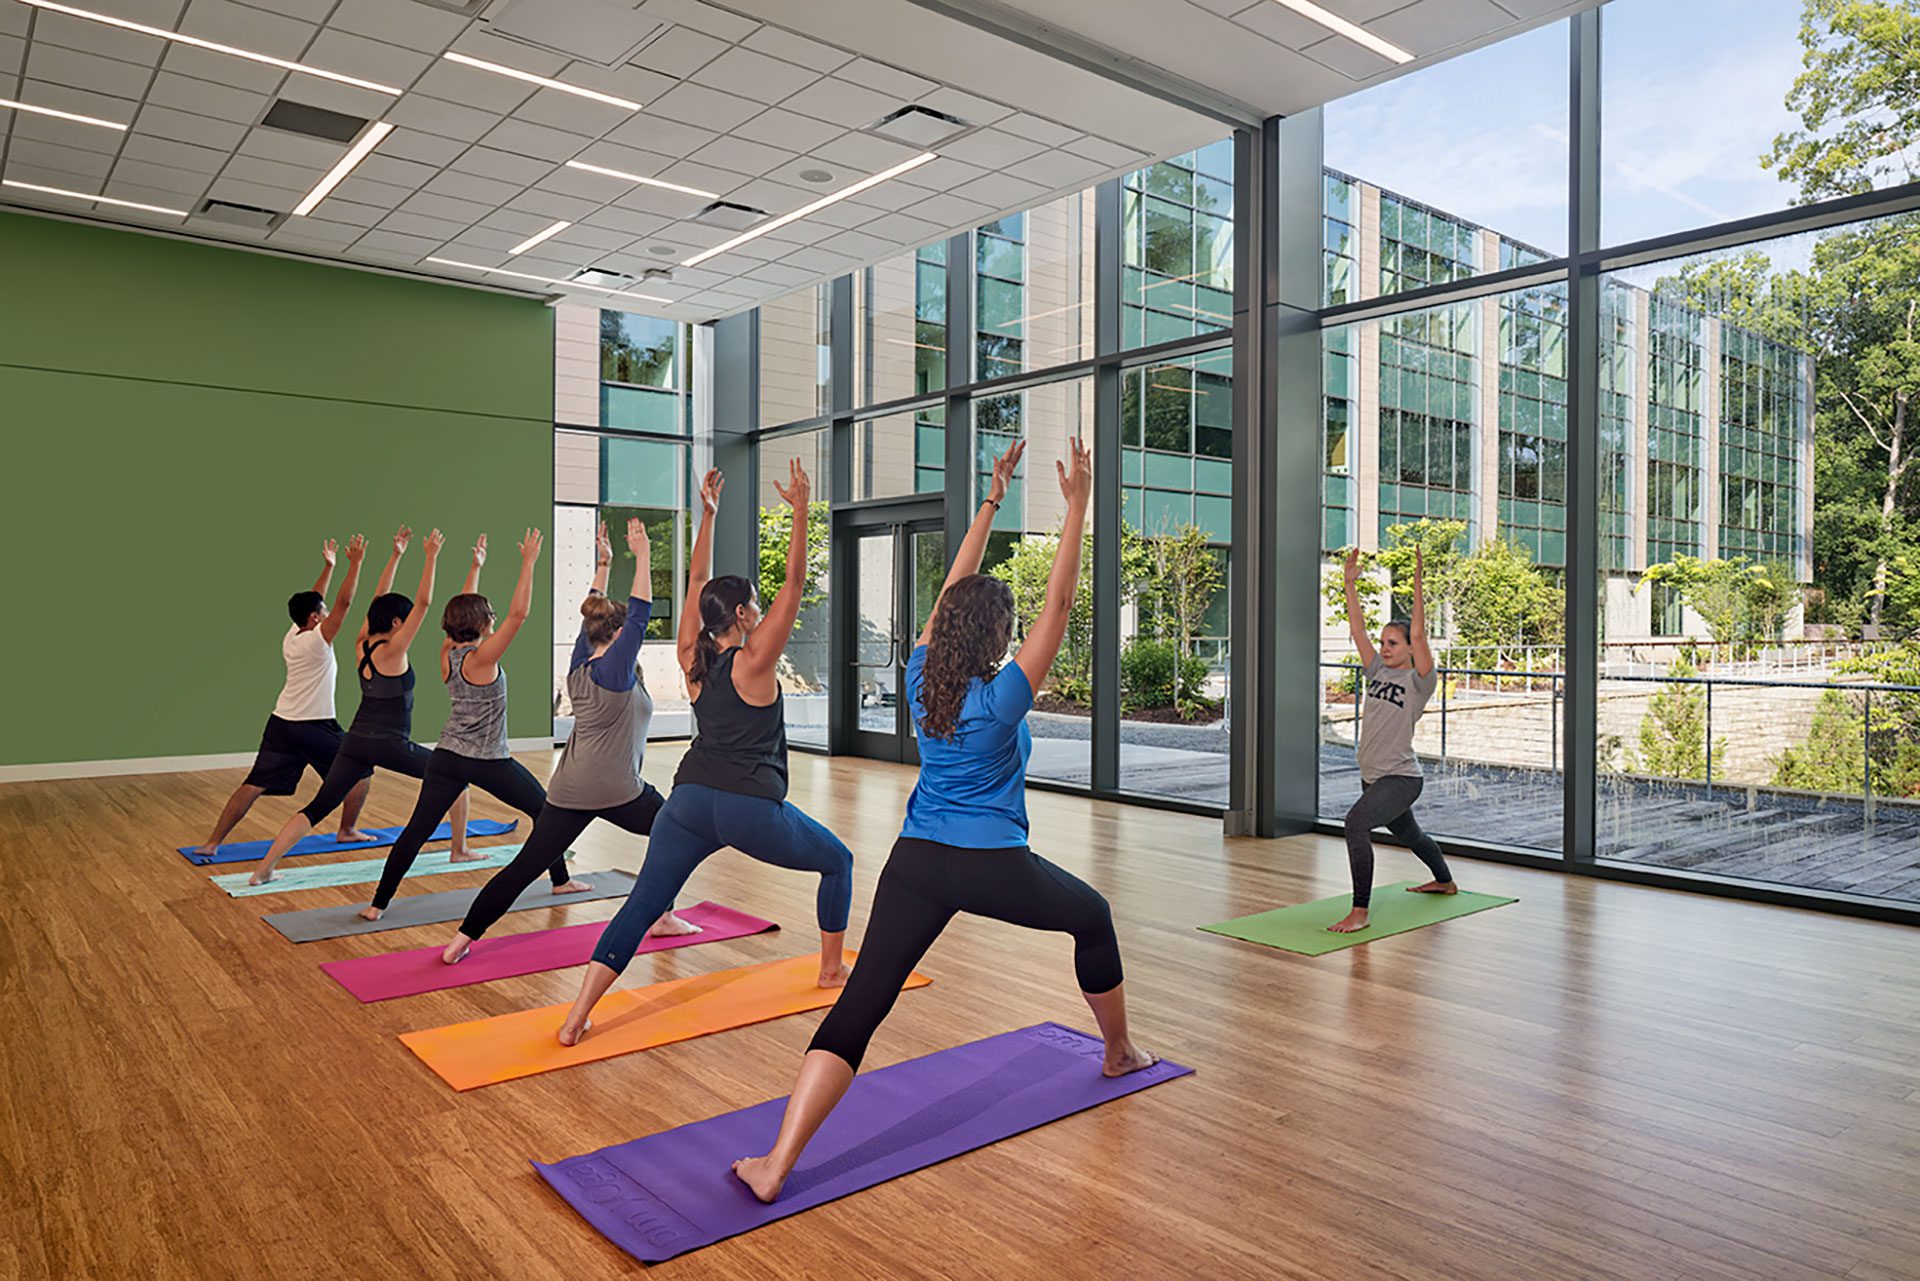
x: 1183, y: 575
x: 1673, y: 731
x: 776, y: 530
x: 1025, y: 569
x: 1499, y: 597
x: 1858, y: 99
x: 1740, y: 602
x: 1832, y: 757
x: 1333, y: 590
x: 1440, y: 543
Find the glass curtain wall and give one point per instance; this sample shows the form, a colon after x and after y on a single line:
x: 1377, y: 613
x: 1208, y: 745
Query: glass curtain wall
x: 805, y: 674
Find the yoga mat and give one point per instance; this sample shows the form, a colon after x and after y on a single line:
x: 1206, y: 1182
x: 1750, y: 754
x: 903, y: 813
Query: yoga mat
x: 360, y: 871
x: 316, y: 923
x: 1302, y: 928
x: 248, y: 851
x: 510, y: 1046
x: 381, y: 978
x: 668, y: 1193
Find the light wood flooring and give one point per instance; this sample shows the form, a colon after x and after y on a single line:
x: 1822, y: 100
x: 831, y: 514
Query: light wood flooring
x: 1601, y: 1081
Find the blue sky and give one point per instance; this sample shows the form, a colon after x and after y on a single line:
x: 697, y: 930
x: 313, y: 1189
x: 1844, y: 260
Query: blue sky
x: 1693, y: 95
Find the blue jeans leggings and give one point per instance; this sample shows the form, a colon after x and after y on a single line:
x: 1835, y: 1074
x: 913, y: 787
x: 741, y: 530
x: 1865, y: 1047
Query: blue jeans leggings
x: 698, y: 820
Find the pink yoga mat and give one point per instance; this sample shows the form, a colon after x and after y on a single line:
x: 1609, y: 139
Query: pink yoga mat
x: 381, y: 978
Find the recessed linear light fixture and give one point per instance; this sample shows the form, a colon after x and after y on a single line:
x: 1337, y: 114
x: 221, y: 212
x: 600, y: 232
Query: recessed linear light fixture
x: 11, y: 105
x: 162, y: 33
x: 82, y: 195
x: 774, y: 224
x: 546, y: 280
x: 537, y: 237
x: 645, y: 182
x: 1351, y: 30
x: 532, y: 79
x: 355, y: 154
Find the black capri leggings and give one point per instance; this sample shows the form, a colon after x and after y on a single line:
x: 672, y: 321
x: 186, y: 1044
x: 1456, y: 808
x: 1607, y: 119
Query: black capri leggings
x: 922, y: 886
x: 554, y: 831
x: 1388, y: 802
x: 449, y: 774
x: 358, y: 757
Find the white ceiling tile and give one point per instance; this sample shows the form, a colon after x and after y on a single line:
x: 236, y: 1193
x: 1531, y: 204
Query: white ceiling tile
x: 414, y: 25
x: 471, y: 87
x: 413, y: 224
x: 633, y: 160
x: 638, y: 83
x: 888, y: 80
x: 536, y: 141
x: 261, y: 195
x: 629, y: 221
x: 583, y: 236
x: 393, y: 170
x: 1056, y: 169
x: 892, y: 194
x: 1356, y: 62
x: 64, y: 179
x: 97, y: 38
x: 271, y: 173
x: 450, y: 208
x: 844, y: 214
x: 413, y: 248
x: 250, y: 29
x: 975, y: 111
x: 489, y: 162
x: 478, y: 42
x: 291, y: 148
x: 797, y: 49
x: 778, y: 127
x: 1110, y: 154
x: 818, y: 260
x: 704, y: 17
x: 552, y: 205
x: 863, y: 153
x: 46, y: 155
x: 315, y: 11
x: 427, y: 148
x: 780, y: 274
x: 14, y: 19
x: 679, y: 52
x: 448, y: 119
x: 204, y: 98
x: 594, y: 187
x: 774, y: 197
x: 225, y: 69
x: 741, y: 156
x: 801, y: 232
x: 905, y: 229
x: 64, y: 133
x: 336, y: 209
x: 945, y: 174
x: 368, y: 192
x: 13, y: 54
x: 356, y: 55
x: 1282, y: 26
x: 466, y: 186
x: 571, y: 113
x: 702, y: 107
x: 162, y: 177
x: 1428, y: 28
x: 991, y: 147
x: 1523, y: 8
x: 550, y: 260
x: 521, y: 222
x: 950, y: 211
x: 86, y: 71
x: 1227, y: 8
x: 842, y: 103
x: 480, y: 242
x: 316, y: 231
x: 755, y: 75
x: 665, y: 137
x: 1001, y: 191
x: 1044, y: 131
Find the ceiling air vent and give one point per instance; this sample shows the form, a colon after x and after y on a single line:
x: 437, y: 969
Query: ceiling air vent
x: 663, y: 275
x: 236, y: 215
x: 597, y: 31
x: 598, y: 277
x: 921, y: 127
x: 289, y: 116
x: 732, y: 217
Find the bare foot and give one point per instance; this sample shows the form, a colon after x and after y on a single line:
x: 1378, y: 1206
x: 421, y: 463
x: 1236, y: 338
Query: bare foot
x: 260, y: 877
x: 1122, y: 1059
x: 370, y: 913
x: 1434, y: 887
x: 670, y: 926
x: 204, y: 851
x: 466, y: 856
x: 573, y: 887
x: 761, y: 1176
x: 571, y: 1032
x: 1351, y: 923
x: 835, y: 977
x: 456, y: 951
x: 351, y: 836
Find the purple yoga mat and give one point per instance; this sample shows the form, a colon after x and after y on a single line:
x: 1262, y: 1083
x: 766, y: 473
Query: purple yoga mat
x: 671, y: 1192
x: 408, y: 973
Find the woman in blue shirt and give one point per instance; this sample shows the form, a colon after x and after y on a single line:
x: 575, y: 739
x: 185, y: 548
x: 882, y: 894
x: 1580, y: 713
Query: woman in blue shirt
x: 963, y: 847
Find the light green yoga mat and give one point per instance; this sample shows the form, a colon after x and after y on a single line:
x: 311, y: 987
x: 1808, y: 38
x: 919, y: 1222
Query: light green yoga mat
x: 1302, y: 928
x: 359, y: 871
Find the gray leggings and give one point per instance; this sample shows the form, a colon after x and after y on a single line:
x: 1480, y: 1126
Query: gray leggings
x: 1388, y: 802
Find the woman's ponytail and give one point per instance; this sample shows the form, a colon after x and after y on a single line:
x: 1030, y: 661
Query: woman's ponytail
x: 720, y: 600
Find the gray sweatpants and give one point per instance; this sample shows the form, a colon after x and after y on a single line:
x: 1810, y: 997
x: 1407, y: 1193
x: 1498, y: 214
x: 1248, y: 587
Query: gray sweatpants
x: 1388, y: 802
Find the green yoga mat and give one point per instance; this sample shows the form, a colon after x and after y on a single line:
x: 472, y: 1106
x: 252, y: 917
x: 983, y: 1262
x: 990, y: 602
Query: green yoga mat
x: 1302, y: 928
x: 359, y: 871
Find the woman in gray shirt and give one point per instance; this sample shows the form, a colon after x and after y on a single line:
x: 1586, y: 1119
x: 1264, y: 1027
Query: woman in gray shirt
x: 1396, y: 681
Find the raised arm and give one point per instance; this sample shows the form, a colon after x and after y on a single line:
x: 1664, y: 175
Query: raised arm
x: 1049, y: 629
x: 328, y: 550
x: 1422, y: 652
x: 1356, y: 615
x: 966, y: 561
x: 337, y: 616
x: 483, y: 660
x: 422, y: 596
x: 473, y: 571
x: 602, y: 559
x: 699, y: 568
x: 624, y: 652
x: 763, y: 648
x: 401, y: 537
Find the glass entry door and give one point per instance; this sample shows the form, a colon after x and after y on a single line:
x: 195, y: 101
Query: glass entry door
x: 899, y: 564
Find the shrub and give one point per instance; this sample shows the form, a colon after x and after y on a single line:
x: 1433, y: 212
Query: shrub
x: 1148, y: 671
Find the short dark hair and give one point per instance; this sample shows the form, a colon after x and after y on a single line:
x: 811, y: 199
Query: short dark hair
x: 387, y: 612
x: 466, y: 616
x: 300, y: 606
x: 1405, y: 629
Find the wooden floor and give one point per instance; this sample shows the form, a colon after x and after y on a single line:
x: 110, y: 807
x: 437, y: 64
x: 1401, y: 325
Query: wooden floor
x: 1600, y: 1081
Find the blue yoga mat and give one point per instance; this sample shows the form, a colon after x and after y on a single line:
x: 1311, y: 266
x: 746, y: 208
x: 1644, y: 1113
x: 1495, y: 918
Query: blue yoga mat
x: 248, y: 851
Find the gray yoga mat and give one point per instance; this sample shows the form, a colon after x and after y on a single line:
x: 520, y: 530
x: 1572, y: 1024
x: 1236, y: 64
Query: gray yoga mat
x: 316, y: 923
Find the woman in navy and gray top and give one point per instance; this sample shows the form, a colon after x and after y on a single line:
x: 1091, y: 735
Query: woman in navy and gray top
x: 599, y: 771
x: 381, y: 735
x: 472, y: 750
x: 732, y: 785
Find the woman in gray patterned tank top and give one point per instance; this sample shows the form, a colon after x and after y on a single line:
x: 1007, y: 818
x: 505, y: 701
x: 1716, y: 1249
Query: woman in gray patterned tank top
x: 1396, y: 680
x: 472, y: 750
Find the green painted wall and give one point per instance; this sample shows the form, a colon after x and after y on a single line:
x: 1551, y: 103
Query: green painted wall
x: 181, y: 426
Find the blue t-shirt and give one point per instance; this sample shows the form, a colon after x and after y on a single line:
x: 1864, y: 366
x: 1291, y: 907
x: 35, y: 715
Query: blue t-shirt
x: 973, y: 787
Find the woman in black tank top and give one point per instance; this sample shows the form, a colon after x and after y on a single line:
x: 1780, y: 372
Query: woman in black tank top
x: 381, y: 733
x: 731, y: 788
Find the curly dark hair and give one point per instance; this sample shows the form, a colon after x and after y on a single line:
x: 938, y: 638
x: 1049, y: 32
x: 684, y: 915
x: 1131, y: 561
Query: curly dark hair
x: 968, y: 638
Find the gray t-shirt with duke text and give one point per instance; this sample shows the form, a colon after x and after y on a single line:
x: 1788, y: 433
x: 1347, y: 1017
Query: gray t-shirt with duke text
x: 1392, y: 698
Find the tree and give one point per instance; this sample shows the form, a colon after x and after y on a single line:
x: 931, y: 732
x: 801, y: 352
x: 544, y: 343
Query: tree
x: 1183, y: 576
x: 1738, y: 601
x: 1025, y: 569
x: 776, y: 531
x: 1673, y: 732
x: 1858, y: 99
x: 1499, y: 597
x: 1439, y: 542
x: 1830, y: 760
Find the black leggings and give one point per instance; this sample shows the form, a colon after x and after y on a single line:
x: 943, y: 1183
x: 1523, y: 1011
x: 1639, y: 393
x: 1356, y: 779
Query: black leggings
x: 922, y: 886
x: 358, y: 757
x: 553, y: 832
x: 449, y: 774
x: 1388, y: 802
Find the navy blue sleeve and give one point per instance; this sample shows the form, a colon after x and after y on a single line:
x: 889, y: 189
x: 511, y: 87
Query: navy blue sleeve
x: 614, y: 669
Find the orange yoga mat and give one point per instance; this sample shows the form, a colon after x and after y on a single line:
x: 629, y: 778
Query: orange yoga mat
x: 510, y: 1046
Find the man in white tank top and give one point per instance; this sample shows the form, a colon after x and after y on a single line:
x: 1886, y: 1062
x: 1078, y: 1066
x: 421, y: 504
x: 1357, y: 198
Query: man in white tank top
x: 302, y: 731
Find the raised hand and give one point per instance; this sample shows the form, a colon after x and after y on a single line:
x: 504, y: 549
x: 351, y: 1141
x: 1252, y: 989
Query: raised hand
x: 530, y: 547
x: 356, y: 548
x: 798, y: 486
x: 435, y: 541
x: 1352, y: 567
x: 479, y: 551
x: 328, y: 551
x: 602, y: 547
x: 710, y: 486
x: 1419, y: 564
x: 637, y: 541
x: 401, y: 539
x: 1076, y: 481
x: 1003, y: 468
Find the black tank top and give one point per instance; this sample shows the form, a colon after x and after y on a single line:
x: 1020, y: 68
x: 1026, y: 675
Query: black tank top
x: 737, y: 747
x: 386, y: 702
